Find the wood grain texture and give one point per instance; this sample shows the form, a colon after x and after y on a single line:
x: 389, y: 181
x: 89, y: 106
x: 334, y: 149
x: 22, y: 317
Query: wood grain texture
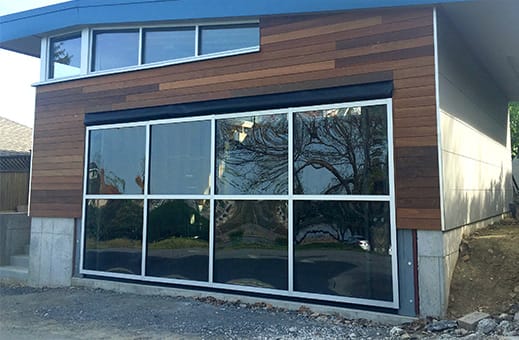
x: 297, y: 52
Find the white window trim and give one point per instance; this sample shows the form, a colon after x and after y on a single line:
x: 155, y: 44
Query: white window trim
x: 87, y: 49
x: 290, y: 197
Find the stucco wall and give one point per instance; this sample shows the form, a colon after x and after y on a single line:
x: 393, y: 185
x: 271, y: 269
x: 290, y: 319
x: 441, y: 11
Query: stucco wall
x: 475, y: 143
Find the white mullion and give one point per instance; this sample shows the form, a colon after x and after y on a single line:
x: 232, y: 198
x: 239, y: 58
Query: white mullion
x: 141, y: 37
x: 349, y: 198
x: 44, y: 58
x: 290, y: 202
x: 114, y: 197
x: 392, y: 203
x: 197, y: 40
x: 85, y: 54
x: 212, y: 202
x: 177, y: 197
x: 145, y: 205
x: 83, y: 208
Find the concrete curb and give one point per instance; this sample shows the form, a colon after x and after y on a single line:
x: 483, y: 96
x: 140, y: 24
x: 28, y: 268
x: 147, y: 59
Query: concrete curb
x: 139, y: 289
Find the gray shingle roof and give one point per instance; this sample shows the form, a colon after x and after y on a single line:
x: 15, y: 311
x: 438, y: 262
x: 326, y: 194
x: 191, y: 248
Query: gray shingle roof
x: 15, y: 138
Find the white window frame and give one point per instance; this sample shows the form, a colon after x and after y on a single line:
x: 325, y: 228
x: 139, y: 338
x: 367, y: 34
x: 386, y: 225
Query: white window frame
x: 87, y: 34
x: 289, y: 197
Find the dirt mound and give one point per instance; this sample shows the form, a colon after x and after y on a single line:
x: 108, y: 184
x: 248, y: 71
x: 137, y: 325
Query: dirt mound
x: 486, y: 277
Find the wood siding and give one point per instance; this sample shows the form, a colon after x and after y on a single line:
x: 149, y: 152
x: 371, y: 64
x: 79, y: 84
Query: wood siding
x: 297, y: 53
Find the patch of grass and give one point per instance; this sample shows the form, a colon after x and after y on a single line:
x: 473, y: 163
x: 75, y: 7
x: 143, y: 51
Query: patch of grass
x: 114, y: 243
x: 178, y: 243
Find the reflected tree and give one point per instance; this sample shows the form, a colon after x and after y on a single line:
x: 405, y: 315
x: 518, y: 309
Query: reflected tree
x: 341, y: 151
x: 252, y: 155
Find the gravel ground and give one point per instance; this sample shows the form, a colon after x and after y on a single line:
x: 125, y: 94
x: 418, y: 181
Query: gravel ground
x: 74, y: 313
x: 83, y: 313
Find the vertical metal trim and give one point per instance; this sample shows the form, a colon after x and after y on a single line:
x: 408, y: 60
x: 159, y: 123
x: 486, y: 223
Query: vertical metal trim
x: 197, y: 40
x: 144, y: 245
x: 438, y: 118
x: 392, y: 203
x: 85, y: 47
x: 140, y: 50
x: 44, y: 59
x: 415, y: 273
x: 84, y: 201
x: 290, y: 118
x: 212, y: 203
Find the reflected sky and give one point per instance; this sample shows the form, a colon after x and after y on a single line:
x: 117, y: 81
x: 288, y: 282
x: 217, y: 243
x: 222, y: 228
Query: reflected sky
x: 165, y: 44
x: 115, y: 49
x: 181, y: 158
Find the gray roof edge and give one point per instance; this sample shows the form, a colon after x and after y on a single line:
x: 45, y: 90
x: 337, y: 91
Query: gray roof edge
x: 17, y: 28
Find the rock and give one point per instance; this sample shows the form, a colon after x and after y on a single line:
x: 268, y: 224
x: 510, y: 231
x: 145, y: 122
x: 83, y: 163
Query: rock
x: 504, y: 326
x: 470, y: 321
x: 460, y: 332
x: 395, y: 332
x: 516, y: 317
x: 442, y: 325
x: 504, y: 316
x: 465, y: 258
x: 486, y: 326
x: 491, y: 251
x: 516, y: 289
x: 292, y: 329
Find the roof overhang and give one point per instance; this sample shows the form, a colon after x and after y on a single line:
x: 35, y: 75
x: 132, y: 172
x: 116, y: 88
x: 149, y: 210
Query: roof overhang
x: 490, y: 29
x: 21, y: 32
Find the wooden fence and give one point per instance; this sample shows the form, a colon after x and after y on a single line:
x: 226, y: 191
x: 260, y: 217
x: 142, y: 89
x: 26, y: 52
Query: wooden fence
x: 14, y: 190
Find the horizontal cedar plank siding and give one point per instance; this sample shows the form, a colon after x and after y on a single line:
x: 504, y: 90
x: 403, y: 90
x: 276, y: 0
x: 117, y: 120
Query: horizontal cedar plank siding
x: 298, y: 52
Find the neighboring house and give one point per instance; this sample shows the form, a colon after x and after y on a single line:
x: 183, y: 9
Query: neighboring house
x: 323, y: 151
x: 15, y: 164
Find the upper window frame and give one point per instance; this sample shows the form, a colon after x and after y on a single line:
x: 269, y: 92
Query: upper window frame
x: 87, y: 48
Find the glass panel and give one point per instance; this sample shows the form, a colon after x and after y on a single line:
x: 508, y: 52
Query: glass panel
x: 251, y: 243
x: 65, y: 56
x: 343, y: 248
x: 181, y: 158
x: 226, y: 38
x: 116, y: 161
x: 113, y: 236
x: 178, y: 239
x: 252, y: 155
x: 166, y: 44
x: 113, y: 49
x: 341, y: 151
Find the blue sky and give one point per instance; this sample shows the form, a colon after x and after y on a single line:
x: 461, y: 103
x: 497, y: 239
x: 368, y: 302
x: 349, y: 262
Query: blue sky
x: 18, y: 72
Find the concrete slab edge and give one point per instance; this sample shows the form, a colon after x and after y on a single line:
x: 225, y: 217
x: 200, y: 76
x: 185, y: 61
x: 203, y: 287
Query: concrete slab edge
x: 134, y: 288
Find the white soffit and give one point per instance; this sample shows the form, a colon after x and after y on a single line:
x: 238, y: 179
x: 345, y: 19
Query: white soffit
x: 491, y: 29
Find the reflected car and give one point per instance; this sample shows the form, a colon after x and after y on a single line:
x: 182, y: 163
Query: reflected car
x: 364, y: 245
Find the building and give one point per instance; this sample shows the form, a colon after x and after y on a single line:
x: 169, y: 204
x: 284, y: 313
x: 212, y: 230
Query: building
x: 330, y: 151
x: 15, y: 164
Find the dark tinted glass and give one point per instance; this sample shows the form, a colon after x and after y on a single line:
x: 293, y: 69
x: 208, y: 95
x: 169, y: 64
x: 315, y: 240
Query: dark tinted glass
x: 178, y: 239
x: 65, y: 56
x: 343, y: 248
x: 181, y: 158
x: 167, y: 44
x: 225, y: 38
x: 113, y: 49
x: 113, y: 236
x: 116, y: 161
x: 341, y: 151
x: 251, y: 243
x: 252, y: 155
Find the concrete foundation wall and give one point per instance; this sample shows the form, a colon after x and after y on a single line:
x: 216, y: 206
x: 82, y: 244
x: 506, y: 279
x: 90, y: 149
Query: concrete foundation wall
x: 51, y: 252
x: 15, y: 229
x: 475, y: 141
x: 437, y: 257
